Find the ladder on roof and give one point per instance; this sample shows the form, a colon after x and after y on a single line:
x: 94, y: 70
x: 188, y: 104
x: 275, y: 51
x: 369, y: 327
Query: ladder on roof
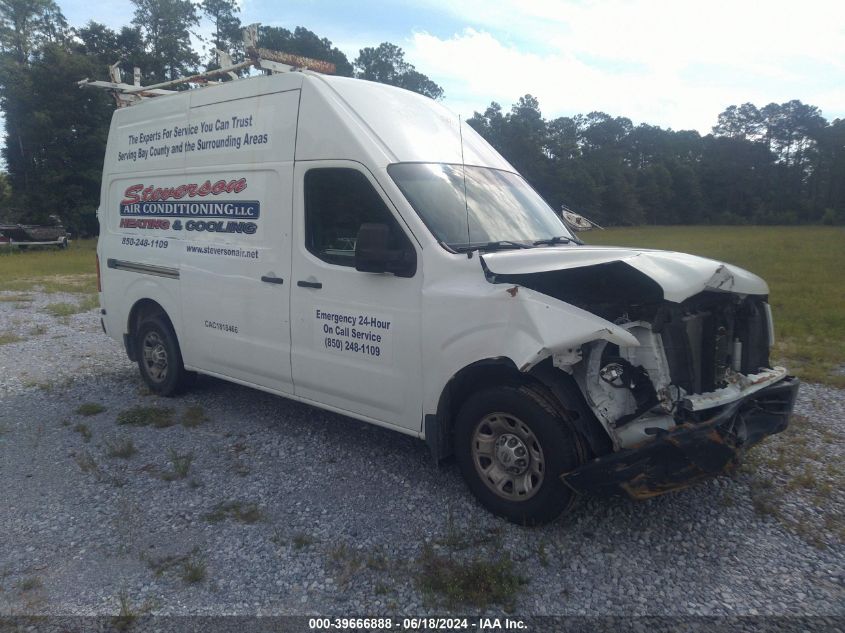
x: 261, y: 58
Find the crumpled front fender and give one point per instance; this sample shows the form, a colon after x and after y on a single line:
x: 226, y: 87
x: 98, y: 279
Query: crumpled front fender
x: 552, y: 326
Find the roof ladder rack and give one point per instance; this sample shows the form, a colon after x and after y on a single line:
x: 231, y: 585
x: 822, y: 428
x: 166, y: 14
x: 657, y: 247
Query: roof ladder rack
x: 260, y: 58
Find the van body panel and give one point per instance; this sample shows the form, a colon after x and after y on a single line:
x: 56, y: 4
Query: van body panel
x: 223, y: 222
x: 405, y: 126
x: 467, y: 320
x: 235, y: 323
x: 250, y: 130
x: 136, y: 140
x: 328, y: 130
x: 238, y: 325
x: 122, y: 290
x: 355, y: 339
x: 236, y: 90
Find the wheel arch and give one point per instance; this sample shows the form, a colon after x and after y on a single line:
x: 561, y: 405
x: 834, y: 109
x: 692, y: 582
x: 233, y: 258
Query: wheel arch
x: 142, y: 309
x: 439, y: 425
x: 558, y: 387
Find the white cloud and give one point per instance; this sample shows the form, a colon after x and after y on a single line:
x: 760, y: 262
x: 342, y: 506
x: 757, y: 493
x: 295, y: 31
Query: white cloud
x: 669, y: 32
x: 475, y: 68
x: 658, y: 61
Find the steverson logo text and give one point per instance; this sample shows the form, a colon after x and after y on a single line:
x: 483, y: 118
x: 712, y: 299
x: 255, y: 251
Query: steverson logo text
x: 175, y: 202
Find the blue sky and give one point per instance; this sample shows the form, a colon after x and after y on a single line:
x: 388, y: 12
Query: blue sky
x: 665, y: 62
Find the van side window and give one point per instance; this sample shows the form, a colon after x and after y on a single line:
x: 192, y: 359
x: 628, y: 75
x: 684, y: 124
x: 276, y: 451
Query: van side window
x: 337, y: 202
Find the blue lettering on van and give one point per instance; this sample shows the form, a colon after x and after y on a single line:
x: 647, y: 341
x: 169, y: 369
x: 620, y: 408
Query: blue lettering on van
x: 242, y: 209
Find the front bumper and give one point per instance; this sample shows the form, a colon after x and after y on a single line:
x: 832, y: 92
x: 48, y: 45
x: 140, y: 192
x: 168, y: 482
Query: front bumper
x: 690, y: 451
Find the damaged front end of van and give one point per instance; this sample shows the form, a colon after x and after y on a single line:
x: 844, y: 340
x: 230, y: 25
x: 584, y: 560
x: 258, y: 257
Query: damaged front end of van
x: 680, y: 379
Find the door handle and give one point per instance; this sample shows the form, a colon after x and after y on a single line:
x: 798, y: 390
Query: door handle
x: 309, y: 284
x: 272, y: 280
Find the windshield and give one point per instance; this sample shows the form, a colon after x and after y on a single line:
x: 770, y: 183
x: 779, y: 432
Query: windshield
x: 500, y: 208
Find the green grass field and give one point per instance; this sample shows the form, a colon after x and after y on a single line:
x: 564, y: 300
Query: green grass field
x: 805, y: 270
x: 50, y: 269
x: 804, y: 266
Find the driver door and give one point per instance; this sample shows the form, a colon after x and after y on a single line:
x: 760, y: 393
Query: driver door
x: 355, y: 336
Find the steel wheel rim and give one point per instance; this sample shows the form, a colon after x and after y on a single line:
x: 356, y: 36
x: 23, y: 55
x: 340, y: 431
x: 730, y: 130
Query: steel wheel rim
x: 154, y: 354
x: 499, y: 441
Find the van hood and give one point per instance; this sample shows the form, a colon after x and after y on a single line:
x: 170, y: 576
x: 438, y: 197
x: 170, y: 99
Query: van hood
x: 679, y: 275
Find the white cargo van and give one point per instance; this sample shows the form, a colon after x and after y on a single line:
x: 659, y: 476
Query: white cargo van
x: 354, y: 246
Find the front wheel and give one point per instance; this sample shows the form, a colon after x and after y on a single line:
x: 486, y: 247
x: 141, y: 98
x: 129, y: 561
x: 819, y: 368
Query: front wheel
x: 159, y: 357
x: 511, y: 445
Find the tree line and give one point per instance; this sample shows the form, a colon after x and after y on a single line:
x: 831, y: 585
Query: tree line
x: 777, y: 164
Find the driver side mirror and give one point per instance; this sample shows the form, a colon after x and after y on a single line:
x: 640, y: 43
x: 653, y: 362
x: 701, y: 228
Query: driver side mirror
x: 374, y: 255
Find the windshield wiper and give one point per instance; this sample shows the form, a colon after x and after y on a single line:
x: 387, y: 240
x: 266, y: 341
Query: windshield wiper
x: 558, y: 239
x: 499, y: 245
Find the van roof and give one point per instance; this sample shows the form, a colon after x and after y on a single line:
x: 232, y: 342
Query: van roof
x: 342, y: 118
x: 412, y: 127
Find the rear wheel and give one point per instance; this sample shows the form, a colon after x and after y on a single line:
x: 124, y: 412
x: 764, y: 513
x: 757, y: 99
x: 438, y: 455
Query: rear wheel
x: 511, y: 445
x: 159, y: 357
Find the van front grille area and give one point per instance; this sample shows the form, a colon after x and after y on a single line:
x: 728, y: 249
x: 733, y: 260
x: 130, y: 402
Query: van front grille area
x: 700, y: 339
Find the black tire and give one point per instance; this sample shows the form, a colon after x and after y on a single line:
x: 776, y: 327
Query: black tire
x: 159, y: 357
x: 551, y: 446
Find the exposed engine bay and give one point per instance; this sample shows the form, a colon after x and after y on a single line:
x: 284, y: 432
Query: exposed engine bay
x: 701, y: 353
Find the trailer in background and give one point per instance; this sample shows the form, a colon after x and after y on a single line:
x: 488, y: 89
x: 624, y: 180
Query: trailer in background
x: 24, y: 235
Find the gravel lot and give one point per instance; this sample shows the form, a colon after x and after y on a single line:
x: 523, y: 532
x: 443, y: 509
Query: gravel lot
x: 271, y: 507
